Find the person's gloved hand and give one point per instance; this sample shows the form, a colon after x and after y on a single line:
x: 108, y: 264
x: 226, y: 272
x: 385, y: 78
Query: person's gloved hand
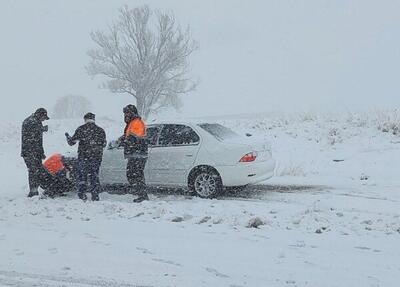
x: 120, y: 141
x: 45, y: 128
x: 69, y: 139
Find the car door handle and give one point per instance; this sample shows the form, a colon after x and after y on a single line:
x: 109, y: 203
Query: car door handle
x: 189, y: 155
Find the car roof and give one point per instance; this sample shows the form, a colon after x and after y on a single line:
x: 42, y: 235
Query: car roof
x: 179, y: 122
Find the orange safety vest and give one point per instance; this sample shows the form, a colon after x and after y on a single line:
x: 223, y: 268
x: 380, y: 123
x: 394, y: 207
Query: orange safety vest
x: 54, y: 163
x: 137, y: 128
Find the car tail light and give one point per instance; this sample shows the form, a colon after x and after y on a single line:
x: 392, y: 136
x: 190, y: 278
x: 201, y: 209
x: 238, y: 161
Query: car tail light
x: 250, y: 157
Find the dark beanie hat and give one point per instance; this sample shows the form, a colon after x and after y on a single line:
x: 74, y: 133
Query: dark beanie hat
x: 42, y: 113
x: 131, y: 109
x: 89, y: 116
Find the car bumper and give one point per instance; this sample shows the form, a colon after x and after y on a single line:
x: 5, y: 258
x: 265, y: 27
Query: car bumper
x: 247, y: 173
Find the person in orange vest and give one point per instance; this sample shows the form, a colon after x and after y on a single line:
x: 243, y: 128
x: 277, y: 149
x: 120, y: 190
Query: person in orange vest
x: 135, y: 151
x: 59, y: 169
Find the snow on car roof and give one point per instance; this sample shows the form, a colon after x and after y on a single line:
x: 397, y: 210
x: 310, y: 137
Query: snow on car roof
x: 180, y: 122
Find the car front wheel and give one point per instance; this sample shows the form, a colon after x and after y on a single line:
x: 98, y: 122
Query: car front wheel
x: 207, y: 183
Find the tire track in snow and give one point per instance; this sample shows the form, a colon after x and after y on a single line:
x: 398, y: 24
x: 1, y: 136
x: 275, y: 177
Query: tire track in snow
x: 12, y: 278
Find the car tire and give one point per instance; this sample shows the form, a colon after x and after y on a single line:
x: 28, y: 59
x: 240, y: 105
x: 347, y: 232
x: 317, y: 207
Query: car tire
x: 206, y: 183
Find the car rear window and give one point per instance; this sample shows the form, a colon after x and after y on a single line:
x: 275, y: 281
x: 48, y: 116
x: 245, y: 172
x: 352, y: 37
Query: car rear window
x: 219, y: 131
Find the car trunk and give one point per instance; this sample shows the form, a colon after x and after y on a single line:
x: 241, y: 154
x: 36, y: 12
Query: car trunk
x: 262, y: 148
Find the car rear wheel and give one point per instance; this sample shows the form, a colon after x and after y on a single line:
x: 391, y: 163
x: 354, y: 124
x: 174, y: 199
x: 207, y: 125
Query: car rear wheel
x: 207, y: 183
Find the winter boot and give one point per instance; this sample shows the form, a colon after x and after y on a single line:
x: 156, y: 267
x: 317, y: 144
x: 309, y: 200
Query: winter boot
x: 82, y: 196
x: 141, y: 198
x: 33, y: 192
x: 95, y: 197
x: 49, y: 194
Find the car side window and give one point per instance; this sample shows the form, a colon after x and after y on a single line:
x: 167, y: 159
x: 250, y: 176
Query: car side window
x: 152, y: 135
x: 173, y: 135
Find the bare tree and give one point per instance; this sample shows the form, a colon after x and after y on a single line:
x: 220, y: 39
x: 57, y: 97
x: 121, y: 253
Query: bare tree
x: 146, y: 57
x: 71, y: 107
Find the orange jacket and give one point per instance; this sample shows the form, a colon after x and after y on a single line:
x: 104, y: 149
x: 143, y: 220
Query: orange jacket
x: 54, y: 163
x: 137, y: 127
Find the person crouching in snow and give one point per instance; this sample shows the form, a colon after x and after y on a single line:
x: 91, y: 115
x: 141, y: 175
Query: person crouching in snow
x: 92, y: 141
x: 60, y: 179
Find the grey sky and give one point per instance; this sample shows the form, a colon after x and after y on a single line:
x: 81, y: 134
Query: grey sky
x: 254, y: 56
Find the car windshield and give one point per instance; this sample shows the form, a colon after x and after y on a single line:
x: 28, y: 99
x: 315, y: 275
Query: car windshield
x: 219, y: 131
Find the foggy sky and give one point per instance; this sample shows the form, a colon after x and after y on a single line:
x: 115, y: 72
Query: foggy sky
x: 254, y: 56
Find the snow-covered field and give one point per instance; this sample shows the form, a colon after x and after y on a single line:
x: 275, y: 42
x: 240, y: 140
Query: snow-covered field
x: 331, y: 216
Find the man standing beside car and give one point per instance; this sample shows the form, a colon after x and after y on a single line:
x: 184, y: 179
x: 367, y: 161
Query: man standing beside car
x: 92, y: 141
x: 135, y: 150
x: 32, y: 148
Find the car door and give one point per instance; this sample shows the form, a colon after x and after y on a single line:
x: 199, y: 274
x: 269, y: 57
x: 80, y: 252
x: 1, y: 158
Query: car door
x: 175, y: 153
x: 113, y: 168
x: 152, y: 134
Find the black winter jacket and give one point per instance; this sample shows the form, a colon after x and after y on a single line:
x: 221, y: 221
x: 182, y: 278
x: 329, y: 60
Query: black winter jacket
x: 32, y: 138
x: 92, y: 141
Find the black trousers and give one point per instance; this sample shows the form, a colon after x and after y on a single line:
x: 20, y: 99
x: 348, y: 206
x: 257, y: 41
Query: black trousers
x: 37, y: 174
x: 135, y: 175
x: 60, y: 184
x: 88, y: 175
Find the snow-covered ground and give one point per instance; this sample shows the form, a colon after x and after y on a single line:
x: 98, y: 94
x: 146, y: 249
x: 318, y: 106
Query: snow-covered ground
x: 331, y: 216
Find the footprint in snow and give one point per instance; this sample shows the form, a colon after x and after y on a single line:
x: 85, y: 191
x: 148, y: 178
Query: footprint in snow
x: 177, y: 219
x: 204, y: 220
x: 137, y: 215
x: 167, y: 262
x: 144, y: 250
x: 299, y: 244
x: 88, y: 235
x: 66, y: 269
x: 362, y: 247
x: 100, y: 243
x: 216, y: 273
x: 53, y: 250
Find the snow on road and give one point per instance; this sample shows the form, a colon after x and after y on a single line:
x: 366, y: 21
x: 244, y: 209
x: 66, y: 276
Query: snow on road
x: 324, y: 223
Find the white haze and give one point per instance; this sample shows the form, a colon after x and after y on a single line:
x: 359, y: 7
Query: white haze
x: 254, y: 56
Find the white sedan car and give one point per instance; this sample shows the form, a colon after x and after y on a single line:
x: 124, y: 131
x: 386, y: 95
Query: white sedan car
x: 205, y: 157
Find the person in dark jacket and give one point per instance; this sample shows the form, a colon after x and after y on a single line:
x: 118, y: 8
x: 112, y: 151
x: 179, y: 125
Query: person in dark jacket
x: 32, y: 148
x: 92, y: 141
x: 135, y: 150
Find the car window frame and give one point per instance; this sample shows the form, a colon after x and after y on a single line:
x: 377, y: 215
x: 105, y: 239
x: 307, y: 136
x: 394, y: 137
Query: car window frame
x: 178, y: 145
x: 160, y: 128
